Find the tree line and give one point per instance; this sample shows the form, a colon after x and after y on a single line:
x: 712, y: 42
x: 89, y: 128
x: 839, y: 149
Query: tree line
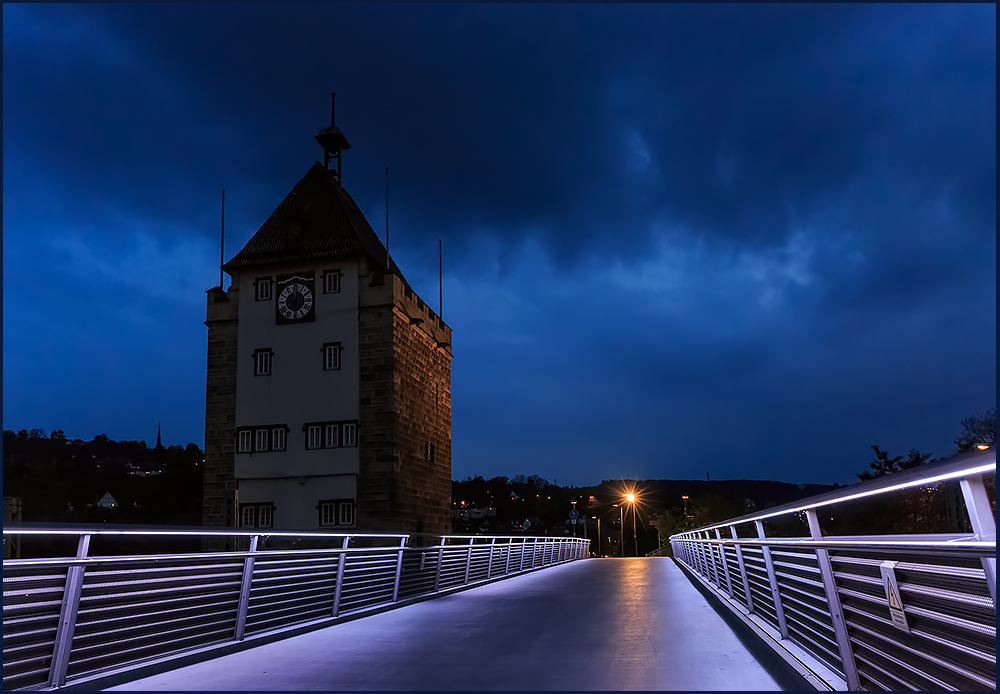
x: 61, y: 480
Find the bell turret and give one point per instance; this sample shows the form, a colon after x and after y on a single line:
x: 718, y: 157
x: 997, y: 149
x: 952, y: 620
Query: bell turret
x: 333, y: 143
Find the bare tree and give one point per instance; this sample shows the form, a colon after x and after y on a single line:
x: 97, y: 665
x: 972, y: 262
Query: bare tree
x: 980, y: 429
x: 884, y: 465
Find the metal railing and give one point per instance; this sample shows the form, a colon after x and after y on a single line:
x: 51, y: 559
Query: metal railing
x: 70, y: 618
x: 902, y: 612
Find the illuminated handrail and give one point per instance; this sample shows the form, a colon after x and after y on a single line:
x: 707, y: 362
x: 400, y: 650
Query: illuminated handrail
x: 59, y: 611
x: 960, y: 467
x: 865, y: 612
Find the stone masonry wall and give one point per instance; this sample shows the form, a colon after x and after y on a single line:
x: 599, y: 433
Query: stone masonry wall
x: 422, y: 380
x: 376, y: 425
x: 405, y: 401
x: 220, y: 407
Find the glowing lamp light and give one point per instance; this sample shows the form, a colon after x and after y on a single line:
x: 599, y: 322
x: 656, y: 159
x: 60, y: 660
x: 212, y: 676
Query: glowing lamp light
x: 982, y: 446
x: 630, y: 497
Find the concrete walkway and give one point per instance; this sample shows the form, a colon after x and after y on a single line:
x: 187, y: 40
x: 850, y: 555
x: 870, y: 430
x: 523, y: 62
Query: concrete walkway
x: 597, y: 624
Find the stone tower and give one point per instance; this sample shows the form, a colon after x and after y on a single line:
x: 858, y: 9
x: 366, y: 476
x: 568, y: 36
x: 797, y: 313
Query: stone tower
x: 328, y: 401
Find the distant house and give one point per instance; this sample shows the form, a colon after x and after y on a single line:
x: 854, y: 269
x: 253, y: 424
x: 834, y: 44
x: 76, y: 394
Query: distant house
x: 107, y: 501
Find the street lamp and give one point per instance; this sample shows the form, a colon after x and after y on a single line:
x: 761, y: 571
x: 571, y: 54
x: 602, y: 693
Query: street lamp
x: 630, y: 498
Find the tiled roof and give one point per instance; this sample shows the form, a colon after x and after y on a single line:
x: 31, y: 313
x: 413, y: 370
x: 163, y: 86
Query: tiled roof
x: 316, y: 220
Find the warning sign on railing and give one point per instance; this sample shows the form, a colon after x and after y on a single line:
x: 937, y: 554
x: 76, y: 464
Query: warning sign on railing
x: 892, y: 595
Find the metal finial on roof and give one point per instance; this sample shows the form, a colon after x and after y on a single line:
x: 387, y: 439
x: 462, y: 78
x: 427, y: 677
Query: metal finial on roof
x: 333, y: 142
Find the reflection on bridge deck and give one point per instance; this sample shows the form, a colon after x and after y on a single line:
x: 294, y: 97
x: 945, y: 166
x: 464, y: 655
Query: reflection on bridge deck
x: 598, y: 624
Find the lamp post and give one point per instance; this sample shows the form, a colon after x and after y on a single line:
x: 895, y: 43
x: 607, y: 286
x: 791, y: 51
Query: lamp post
x: 630, y: 498
x: 621, y: 528
x: 598, y: 519
x: 685, y: 510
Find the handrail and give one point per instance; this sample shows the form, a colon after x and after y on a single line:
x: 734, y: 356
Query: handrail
x: 59, y: 611
x: 958, y: 467
x: 891, y: 612
x: 42, y: 529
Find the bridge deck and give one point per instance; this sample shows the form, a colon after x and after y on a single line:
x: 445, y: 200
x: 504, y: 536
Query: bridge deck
x: 604, y: 624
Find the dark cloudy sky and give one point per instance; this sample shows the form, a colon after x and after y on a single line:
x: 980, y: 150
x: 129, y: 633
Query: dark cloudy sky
x: 744, y: 241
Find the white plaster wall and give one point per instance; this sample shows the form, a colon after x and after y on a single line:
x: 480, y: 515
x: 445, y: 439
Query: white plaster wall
x: 298, y: 389
x: 295, y: 501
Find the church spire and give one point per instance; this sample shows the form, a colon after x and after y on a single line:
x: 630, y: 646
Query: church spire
x: 159, y: 442
x: 333, y: 142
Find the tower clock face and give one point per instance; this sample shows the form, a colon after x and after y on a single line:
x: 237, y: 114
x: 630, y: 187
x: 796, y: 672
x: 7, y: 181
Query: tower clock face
x: 294, y: 302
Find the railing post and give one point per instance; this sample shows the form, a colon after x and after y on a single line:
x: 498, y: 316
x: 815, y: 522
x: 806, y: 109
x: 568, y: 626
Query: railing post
x: 702, y: 558
x: 468, y: 559
x: 709, y: 554
x: 245, y: 585
x: 489, y: 566
x: 833, y: 600
x: 772, y: 578
x: 67, y: 616
x: 524, y: 542
x: 743, y: 570
x: 506, y: 566
x: 983, y: 525
x: 399, y: 570
x: 341, y: 563
x: 437, y: 573
x: 725, y: 564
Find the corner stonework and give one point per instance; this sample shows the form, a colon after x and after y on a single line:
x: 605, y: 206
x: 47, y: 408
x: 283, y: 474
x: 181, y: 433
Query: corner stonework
x: 219, y: 478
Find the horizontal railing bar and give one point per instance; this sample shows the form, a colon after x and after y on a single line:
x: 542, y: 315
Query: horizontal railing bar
x: 234, y: 555
x: 958, y: 547
x: 964, y: 466
x: 193, y: 532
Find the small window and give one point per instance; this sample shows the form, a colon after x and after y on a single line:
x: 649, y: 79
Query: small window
x: 245, y: 441
x: 336, y: 512
x: 328, y: 513
x: 262, y: 361
x: 429, y: 452
x: 257, y: 515
x: 260, y: 440
x: 331, y: 282
x: 262, y: 287
x: 314, y: 437
x: 278, y: 439
x: 346, y: 513
x: 331, y: 356
x: 265, y: 513
x: 350, y: 435
x: 332, y: 430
